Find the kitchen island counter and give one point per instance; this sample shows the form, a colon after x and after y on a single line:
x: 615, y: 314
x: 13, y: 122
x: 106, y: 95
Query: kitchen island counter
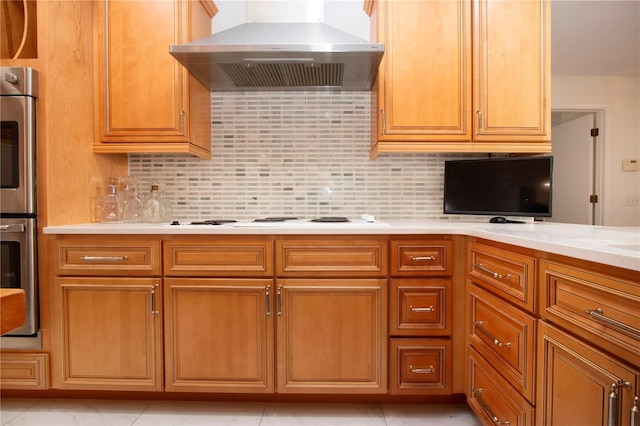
x: 615, y: 246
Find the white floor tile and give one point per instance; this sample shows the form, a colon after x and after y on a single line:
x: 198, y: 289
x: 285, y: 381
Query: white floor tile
x: 81, y: 412
x: 429, y: 414
x: 196, y: 413
x: 11, y: 408
x: 283, y: 414
x: 78, y: 412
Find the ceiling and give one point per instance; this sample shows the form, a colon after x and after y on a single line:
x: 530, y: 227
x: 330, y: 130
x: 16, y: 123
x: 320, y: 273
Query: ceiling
x: 595, y: 37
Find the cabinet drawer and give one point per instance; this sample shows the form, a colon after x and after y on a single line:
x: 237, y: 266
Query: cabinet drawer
x: 492, y: 398
x: 505, y: 336
x: 331, y: 257
x: 420, y: 307
x: 247, y: 258
x: 421, y: 366
x: 601, y: 308
x: 24, y: 371
x: 510, y: 275
x: 100, y: 256
x: 421, y: 258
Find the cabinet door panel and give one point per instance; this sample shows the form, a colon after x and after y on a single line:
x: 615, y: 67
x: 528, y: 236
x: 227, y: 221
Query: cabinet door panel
x: 139, y: 74
x: 424, y: 86
x: 219, y: 335
x: 575, y: 381
x: 108, y: 334
x: 332, y: 336
x: 511, y: 70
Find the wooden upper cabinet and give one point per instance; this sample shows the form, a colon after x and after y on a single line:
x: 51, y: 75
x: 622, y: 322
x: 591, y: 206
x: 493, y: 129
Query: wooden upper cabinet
x: 512, y: 71
x: 462, y: 76
x: 145, y: 100
x: 424, y: 83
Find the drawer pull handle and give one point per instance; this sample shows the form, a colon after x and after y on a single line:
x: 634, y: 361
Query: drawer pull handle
x: 479, y: 325
x: 279, y: 300
x: 480, y: 267
x: 267, y: 304
x: 104, y: 258
x: 598, y: 315
x: 154, y: 312
x: 13, y: 228
x: 427, y: 309
x: 422, y: 370
x: 477, y: 395
x: 422, y: 258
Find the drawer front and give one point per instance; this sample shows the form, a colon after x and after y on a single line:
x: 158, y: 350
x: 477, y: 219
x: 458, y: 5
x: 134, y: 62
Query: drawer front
x: 218, y: 258
x: 421, y: 366
x: 24, y: 371
x: 600, y: 308
x: 420, y: 307
x: 505, y: 336
x: 100, y: 256
x: 331, y: 258
x: 411, y: 258
x: 492, y: 399
x: 509, y: 275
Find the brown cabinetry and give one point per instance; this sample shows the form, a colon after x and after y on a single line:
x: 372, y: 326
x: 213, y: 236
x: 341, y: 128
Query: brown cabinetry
x: 219, y: 335
x: 331, y: 315
x: 145, y: 100
x: 442, y: 87
x: 106, y: 316
x: 501, y: 326
x: 421, y: 316
x: 588, y: 345
x: 219, y: 320
x: 331, y: 335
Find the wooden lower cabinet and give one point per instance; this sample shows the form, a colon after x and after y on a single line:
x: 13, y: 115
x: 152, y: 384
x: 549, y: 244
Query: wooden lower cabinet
x: 20, y: 370
x: 107, y: 333
x: 493, y: 399
x: 219, y: 335
x: 331, y: 335
x: 578, y: 384
x: 420, y: 366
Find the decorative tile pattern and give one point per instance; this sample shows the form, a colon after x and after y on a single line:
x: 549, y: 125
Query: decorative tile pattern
x: 304, y: 154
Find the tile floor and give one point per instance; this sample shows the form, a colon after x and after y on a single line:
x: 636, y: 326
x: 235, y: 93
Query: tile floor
x: 71, y: 412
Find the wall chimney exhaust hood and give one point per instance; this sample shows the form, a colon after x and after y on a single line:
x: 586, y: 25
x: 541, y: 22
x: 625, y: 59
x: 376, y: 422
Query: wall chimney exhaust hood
x: 281, y: 56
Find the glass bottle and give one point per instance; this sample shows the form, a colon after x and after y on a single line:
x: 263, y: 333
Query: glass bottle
x: 154, y: 210
x: 133, y: 207
x: 111, y: 206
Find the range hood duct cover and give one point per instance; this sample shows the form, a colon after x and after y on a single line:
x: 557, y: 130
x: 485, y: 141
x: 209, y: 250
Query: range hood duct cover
x: 281, y: 56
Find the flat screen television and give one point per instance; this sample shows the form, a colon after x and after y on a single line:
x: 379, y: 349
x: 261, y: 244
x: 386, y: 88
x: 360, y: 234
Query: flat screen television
x: 519, y: 186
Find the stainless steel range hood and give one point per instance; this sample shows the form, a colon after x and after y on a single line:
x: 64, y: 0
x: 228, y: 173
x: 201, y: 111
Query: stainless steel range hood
x: 281, y: 56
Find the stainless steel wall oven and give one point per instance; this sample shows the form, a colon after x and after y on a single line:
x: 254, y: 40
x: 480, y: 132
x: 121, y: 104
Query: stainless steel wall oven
x: 18, y: 192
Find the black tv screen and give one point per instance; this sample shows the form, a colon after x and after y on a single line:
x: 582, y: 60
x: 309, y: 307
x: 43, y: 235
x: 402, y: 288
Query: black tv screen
x: 501, y: 187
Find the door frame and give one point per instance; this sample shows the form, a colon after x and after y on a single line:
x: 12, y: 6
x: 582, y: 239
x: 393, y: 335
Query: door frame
x: 601, y: 120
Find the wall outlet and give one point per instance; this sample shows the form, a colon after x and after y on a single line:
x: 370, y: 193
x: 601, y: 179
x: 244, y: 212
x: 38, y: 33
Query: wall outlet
x: 632, y: 200
x: 630, y: 165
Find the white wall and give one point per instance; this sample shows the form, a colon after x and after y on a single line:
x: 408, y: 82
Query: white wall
x: 620, y: 99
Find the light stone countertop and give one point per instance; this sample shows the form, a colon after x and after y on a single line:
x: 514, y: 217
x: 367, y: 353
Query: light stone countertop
x: 615, y: 246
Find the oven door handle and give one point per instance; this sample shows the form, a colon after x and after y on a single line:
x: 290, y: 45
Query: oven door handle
x: 16, y: 227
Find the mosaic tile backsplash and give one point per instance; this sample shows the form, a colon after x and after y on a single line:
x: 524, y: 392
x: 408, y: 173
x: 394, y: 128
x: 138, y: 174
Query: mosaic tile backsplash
x: 302, y: 154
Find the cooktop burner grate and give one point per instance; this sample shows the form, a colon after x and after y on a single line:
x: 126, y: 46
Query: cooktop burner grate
x: 275, y: 219
x: 330, y: 219
x: 213, y: 222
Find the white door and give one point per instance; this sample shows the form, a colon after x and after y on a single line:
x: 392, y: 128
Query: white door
x: 573, y: 168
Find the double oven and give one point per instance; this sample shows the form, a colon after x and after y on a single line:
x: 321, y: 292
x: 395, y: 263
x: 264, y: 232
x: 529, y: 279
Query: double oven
x: 18, y: 196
